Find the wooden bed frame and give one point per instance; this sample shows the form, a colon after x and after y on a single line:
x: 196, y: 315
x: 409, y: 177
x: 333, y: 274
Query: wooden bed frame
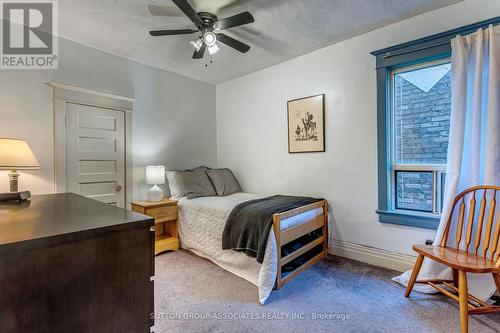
x: 286, y: 236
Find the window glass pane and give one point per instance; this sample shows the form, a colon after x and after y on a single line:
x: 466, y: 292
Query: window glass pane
x: 421, y: 104
x: 414, y: 190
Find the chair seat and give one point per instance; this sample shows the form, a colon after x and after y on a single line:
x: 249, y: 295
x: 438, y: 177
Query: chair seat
x: 458, y: 259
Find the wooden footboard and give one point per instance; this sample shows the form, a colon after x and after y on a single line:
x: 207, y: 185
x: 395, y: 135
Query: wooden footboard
x: 314, y: 248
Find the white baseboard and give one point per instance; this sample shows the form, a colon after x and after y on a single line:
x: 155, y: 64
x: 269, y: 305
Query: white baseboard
x: 373, y: 256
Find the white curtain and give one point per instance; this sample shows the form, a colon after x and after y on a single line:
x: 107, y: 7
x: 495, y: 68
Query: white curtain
x: 474, y: 142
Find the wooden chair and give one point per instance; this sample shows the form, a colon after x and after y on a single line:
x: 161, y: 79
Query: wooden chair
x: 461, y: 256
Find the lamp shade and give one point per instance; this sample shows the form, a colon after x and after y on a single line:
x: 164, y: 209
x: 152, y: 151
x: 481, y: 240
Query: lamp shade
x: 155, y: 174
x: 16, y: 154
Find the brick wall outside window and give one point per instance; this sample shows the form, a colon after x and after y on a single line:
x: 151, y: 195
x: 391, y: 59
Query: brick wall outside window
x: 422, y: 124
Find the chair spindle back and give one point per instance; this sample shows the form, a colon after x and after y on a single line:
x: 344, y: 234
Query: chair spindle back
x: 486, y: 222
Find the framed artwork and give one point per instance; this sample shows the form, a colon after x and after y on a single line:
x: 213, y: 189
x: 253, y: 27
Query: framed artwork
x: 306, y: 124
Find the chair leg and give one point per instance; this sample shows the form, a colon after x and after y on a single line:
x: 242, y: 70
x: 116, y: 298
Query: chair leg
x: 414, y: 274
x: 496, y: 277
x: 463, y: 298
x: 454, y: 271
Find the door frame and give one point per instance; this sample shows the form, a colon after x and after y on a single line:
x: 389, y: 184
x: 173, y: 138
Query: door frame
x: 64, y: 94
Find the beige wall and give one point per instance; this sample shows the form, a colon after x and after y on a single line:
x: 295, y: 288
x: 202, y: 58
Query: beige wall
x: 252, y: 126
x: 174, y: 116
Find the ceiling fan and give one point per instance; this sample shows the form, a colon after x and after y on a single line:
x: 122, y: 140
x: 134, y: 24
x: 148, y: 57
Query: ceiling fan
x: 209, y: 27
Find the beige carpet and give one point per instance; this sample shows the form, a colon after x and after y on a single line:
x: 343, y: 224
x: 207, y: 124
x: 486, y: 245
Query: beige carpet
x: 336, y: 295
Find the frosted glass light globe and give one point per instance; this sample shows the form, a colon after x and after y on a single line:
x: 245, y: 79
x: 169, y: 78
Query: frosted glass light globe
x: 209, y: 38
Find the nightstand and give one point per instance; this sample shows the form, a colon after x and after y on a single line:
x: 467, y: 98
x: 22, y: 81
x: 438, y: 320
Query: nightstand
x: 165, y: 214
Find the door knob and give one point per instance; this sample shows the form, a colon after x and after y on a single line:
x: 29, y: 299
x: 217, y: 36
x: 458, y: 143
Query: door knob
x: 119, y: 188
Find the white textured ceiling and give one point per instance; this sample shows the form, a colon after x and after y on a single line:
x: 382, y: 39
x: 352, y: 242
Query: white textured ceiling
x: 283, y: 29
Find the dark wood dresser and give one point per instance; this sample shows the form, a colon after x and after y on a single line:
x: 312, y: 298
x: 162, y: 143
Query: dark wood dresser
x: 73, y: 264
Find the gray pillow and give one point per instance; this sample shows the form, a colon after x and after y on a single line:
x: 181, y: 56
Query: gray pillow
x: 224, y: 181
x: 190, y: 183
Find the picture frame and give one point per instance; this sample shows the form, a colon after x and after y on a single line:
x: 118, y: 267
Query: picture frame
x: 306, y: 124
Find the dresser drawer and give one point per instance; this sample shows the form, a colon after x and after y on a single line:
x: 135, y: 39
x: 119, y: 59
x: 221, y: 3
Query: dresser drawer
x: 163, y: 214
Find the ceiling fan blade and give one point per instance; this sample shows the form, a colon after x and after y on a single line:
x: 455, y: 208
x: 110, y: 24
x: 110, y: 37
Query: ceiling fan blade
x: 235, y: 44
x: 189, y: 11
x: 172, y: 32
x: 235, y: 20
x: 199, y: 54
x: 157, y: 10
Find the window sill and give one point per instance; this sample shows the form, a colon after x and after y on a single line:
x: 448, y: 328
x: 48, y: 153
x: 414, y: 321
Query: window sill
x: 409, y: 220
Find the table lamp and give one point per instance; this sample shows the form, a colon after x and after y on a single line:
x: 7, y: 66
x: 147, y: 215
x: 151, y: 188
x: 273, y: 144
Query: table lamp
x: 16, y: 155
x: 155, y: 175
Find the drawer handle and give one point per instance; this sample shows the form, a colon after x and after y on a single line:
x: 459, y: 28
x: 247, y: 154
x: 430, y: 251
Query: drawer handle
x: 152, y: 228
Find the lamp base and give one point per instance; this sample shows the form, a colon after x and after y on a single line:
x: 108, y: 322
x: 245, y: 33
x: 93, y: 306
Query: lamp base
x: 14, y: 180
x: 155, y: 194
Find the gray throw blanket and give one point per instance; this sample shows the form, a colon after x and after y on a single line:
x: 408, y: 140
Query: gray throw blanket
x: 247, y: 227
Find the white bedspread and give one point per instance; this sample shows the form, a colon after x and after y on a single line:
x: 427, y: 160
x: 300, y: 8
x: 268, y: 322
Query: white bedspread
x: 201, y: 223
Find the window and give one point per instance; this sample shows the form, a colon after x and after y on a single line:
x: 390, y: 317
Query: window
x: 413, y: 122
x: 420, y: 103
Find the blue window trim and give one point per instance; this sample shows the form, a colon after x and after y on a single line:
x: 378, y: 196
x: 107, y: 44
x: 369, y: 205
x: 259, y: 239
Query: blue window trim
x: 408, y: 219
x: 421, y: 50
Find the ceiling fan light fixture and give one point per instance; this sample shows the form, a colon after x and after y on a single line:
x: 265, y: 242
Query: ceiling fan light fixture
x: 196, y: 45
x: 208, y: 26
x: 209, y: 38
x: 213, y: 49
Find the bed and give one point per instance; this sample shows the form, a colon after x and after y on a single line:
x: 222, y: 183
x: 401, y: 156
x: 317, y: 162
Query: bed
x: 297, y: 240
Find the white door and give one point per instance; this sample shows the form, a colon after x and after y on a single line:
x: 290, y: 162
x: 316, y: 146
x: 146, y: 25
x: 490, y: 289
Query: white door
x: 95, y: 153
